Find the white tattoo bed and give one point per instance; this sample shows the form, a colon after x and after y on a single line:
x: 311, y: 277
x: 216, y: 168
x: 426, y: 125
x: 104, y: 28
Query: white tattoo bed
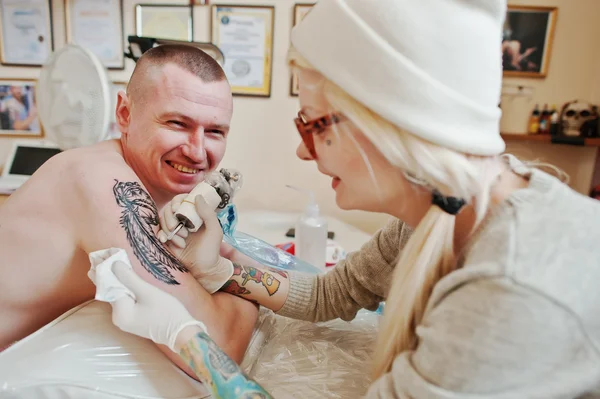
x: 82, y: 355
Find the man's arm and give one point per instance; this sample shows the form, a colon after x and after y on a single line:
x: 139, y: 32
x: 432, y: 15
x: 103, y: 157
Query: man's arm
x: 118, y: 212
x: 215, y: 369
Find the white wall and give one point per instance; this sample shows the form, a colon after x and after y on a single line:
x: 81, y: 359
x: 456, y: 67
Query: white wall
x: 263, y: 138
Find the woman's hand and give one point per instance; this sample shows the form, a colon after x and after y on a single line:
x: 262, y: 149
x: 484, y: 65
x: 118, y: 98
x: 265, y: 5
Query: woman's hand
x: 153, y: 314
x: 198, y: 251
x: 157, y: 315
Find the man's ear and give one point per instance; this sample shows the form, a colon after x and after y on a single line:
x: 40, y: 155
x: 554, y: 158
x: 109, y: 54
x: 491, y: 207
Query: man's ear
x: 123, y: 112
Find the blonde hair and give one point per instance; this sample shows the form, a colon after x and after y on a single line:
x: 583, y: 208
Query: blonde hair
x: 429, y: 254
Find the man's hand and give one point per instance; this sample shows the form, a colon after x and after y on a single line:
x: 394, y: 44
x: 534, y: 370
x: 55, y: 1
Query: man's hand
x: 198, y: 251
x: 153, y: 314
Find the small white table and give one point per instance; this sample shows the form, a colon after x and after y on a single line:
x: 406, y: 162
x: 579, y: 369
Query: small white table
x: 271, y: 226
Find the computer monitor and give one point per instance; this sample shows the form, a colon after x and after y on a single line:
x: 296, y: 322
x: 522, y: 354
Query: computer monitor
x: 26, y: 157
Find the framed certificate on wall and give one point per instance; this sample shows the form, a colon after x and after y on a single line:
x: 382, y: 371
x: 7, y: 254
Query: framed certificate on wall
x: 245, y: 36
x: 97, y: 25
x: 25, y: 32
x: 164, y: 21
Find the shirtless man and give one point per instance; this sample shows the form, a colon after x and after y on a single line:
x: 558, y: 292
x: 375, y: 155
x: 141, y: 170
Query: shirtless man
x: 174, y: 121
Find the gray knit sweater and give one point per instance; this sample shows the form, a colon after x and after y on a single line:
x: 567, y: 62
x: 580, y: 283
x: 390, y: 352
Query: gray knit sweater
x: 519, y: 319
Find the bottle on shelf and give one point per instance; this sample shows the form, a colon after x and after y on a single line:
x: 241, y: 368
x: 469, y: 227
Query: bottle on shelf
x: 545, y: 121
x: 534, y: 121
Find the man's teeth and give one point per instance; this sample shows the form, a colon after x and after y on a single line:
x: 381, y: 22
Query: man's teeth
x: 184, y: 169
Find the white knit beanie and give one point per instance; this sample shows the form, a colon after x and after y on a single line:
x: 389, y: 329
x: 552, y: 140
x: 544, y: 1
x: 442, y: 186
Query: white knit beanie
x: 431, y: 67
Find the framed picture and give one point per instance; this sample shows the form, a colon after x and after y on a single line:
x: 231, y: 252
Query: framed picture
x: 25, y: 32
x: 98, y: 27
x: 527, y: 40
x: 18, y: 109
x: 300, y: 10
x: 245, y: 35
x: 164, y: 21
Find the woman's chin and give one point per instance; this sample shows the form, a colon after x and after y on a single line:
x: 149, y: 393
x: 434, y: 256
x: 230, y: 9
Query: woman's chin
x: 345, y: 203
x: 339, y: 201
x: 351, y: 204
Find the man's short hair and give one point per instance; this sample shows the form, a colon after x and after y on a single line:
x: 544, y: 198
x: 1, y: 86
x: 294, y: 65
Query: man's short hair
x: 187, y: 57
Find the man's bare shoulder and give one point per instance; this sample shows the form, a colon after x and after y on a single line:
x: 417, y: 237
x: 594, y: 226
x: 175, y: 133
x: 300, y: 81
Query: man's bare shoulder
x: 70, y: 178
x: 90, y: 165
x: 94, y: 184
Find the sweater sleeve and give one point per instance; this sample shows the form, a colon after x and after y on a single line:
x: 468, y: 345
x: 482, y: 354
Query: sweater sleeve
x: 360, y: 281
x: 493, y: 338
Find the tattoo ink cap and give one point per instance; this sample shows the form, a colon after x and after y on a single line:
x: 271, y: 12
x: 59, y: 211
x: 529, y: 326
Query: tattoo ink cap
x: 311, y: 234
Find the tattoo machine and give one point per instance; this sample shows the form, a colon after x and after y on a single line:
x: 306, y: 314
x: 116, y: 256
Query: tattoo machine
x: 217, y: 189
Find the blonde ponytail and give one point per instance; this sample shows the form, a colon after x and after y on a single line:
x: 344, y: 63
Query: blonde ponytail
x: 427, y: 257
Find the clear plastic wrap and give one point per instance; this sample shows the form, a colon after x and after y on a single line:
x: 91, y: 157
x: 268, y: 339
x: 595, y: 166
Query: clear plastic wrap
x: 256, y: 248
x: 82, y: 355
x: 300, y: 359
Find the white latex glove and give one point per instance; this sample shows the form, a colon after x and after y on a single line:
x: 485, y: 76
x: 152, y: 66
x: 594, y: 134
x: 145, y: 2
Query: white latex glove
x: 154, y: 314
x: 168, y: 222
x: 199, y: 251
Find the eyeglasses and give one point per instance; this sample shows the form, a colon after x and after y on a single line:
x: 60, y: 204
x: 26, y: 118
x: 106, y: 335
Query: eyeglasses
x: 307, y: 128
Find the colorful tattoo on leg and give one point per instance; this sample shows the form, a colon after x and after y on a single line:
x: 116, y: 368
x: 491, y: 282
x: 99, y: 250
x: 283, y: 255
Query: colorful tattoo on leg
x: 218, y: 372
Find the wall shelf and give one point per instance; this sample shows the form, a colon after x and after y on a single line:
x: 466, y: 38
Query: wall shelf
x: 546, y: 138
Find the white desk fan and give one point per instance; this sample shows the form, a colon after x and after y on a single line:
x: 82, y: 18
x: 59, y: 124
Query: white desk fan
x: 73, y: 97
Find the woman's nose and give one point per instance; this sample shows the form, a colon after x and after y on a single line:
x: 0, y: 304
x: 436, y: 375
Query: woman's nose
x: 303, y: 153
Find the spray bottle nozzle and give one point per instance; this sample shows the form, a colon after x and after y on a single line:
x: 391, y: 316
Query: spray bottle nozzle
x: 312, y: 208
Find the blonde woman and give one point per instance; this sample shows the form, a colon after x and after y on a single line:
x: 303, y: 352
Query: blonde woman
x: 489, y: 270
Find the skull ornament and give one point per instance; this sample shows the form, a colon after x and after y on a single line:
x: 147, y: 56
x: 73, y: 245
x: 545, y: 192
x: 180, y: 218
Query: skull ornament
x: 574, y: 115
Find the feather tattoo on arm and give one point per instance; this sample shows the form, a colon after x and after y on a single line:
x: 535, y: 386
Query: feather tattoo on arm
x: 138, y: 216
